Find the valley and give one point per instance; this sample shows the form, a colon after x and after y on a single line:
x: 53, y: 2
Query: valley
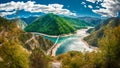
x: 71, y: 42
x: 59, y: 33
x: 54, y: 47
x: 75, y: 43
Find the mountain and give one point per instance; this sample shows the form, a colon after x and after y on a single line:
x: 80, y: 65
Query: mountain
x: 91, y: 20
x: 20, y: 23
x: 51, y: 24
x: 19, y: 49
x: 29, y: 19
x: 78, y: 24
x: 99, y: 31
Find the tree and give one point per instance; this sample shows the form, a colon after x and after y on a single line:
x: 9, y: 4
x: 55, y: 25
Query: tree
x: 38, y: 59
x: 13, y: 54
x: 110, y: 48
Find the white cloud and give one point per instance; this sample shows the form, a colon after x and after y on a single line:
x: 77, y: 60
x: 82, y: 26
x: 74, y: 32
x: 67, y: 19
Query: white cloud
x: 90, y: 6
x: 83, y: 3
x: 111, y: 8
x: 7, y: 13
x: 85, y: 6
x: 93, y: 1
x: 97, y: 6
x: 32, y: 7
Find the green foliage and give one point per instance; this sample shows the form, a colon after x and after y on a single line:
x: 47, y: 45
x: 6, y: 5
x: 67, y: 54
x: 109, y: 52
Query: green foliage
x: 110, y: 47
x: 45, y: 44
x: 38, y: 59
x: 11, y: 50
x: 24, y: 36
x: 51, y: 24
x: 79, y: 60
x: 3, y: 23
x: 13, y: 54
x: 77, y: 23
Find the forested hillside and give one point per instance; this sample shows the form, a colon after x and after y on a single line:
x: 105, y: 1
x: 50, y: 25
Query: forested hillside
x: 77, y: 23
x: 51, y: 24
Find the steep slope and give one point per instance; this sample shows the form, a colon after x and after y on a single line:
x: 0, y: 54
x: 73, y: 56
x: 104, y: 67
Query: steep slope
x: 10, y: 28
x: 98, y: 32
x: 51, y: 24
x: 11, y: 51
x: 21, y: 24
x: 18, y: 49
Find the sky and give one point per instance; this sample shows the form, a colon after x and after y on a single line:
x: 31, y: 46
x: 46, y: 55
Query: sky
x: 75, y: 8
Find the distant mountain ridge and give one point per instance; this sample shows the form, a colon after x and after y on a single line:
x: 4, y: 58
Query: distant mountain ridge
x: 78, y: 24
x: 91, y: 20
x: 29, y: 19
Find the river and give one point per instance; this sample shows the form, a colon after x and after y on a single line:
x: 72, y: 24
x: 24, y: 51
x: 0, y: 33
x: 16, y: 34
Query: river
x: 71, y: 43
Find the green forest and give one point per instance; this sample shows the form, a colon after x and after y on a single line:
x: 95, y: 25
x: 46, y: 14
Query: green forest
x: 55, y: 25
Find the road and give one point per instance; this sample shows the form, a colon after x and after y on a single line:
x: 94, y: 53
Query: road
x: 54, y: 36
x: 50, y: 50
x: 33, y: 37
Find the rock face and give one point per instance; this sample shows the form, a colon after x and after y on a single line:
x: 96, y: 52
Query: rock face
x: 21, y: 24
x: 51, y: 24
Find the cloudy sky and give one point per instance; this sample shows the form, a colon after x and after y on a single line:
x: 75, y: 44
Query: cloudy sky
x: 26, y: 8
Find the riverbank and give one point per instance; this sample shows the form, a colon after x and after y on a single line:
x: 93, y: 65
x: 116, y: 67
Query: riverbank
x: 55, y: 49
x: 92, y: 47
x: 50, y: 50
x: 80, y: 34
